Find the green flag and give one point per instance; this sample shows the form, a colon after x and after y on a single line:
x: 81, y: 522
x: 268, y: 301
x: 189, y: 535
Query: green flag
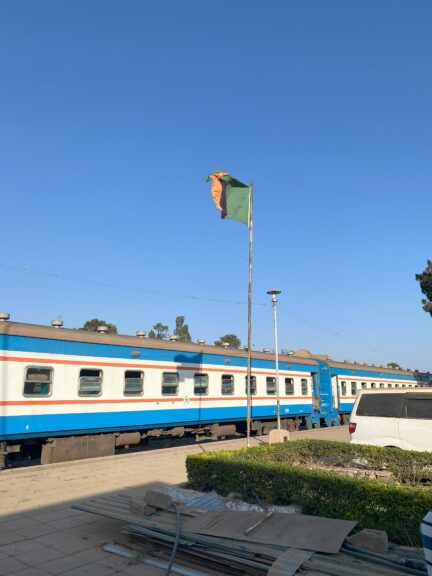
x: 231, y: 197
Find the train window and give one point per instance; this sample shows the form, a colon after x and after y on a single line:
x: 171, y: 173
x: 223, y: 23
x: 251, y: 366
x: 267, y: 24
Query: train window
x: 403, y: 386
x: 353, y: 388
x: 271, y: 385
x: 227, y: 385
x: 253, y: 385
x: 304, y: 386
x: 90, y: 382
x: 133, y: 383
x: 363, y: 384
x: 396, y: 385
x: 389, y: 385
x: 37, y: 381
x: 289, y: 386
x: 381, y: 384
x: 201, y: 382
x: 373, y: 385
x: 170, y: 381
x: 343, y: 388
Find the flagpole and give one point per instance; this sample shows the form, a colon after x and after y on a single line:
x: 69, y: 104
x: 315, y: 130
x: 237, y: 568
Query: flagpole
x: 249, y: 345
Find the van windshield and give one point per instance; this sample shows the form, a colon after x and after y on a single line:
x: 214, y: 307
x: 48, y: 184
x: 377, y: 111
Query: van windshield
x: 382, y: 405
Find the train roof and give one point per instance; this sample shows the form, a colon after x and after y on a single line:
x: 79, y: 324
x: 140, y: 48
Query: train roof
x: 76, y: 335
x: 367, y: 368
x: 302, y: 356
x: 346, y: 365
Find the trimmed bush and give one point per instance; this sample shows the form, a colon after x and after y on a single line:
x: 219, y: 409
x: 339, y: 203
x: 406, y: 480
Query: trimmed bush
x: 276, y: 474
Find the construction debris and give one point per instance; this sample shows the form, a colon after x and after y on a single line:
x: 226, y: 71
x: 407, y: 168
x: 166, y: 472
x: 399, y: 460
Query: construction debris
x: 374, y: 540
x: 211, y: 541
x: 289, y: 531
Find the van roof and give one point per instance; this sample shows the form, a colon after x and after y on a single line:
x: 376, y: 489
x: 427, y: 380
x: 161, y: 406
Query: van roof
x: 399, y: 390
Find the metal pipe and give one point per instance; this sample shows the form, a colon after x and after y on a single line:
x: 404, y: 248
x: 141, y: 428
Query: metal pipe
x: 176, y: 569
x: 273, y: 294
x: 249, y: 351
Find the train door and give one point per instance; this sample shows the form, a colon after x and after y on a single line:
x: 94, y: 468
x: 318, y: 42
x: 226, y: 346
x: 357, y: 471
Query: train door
x: 335, y: 392
x: 315, y: 392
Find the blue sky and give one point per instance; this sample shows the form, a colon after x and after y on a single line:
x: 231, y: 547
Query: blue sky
x: 113, y: 112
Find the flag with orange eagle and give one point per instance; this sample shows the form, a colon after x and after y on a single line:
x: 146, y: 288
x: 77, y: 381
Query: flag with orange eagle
x: 231, y: 197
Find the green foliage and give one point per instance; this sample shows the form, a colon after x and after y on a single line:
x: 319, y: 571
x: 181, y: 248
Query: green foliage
x: 160, y: 331
x: 276, y: 474
x: 393, y: 365
x: 425, y: 280
x: 92, y: 326
x: 232, y: 339
x: 182, y: 330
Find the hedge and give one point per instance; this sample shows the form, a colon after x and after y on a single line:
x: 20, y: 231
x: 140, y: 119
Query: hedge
x: 275, y: 473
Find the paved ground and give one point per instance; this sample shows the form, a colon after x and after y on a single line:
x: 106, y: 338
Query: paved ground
x: 41, y: 535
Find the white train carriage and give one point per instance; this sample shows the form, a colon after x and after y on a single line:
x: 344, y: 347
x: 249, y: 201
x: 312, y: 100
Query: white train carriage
x: 73, y: 393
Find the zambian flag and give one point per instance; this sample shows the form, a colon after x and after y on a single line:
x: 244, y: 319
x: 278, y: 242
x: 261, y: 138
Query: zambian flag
x: 231, y: 197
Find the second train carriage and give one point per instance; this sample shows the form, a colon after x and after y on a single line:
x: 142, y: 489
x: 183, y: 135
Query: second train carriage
x: 76, y: 393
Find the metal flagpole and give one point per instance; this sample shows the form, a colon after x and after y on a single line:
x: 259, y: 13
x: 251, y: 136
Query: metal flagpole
x: 249, y: 358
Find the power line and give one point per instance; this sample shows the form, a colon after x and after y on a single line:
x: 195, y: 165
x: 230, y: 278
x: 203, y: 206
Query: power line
x: 56, y: 276
x: 103, y: 284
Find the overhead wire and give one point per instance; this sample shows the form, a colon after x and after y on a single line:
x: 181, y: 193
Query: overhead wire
x: 105, y: 284
x: 56, y: 276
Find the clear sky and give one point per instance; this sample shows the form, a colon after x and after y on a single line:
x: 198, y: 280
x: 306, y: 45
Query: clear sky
x: 112, y: 113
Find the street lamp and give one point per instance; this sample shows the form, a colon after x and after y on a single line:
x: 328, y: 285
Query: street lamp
x: 273, y: 294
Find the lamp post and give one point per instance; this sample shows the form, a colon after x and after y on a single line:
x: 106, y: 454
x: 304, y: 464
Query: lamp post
x: 273, y: 294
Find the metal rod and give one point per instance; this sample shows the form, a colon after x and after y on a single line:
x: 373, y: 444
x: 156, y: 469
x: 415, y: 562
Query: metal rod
x: 274, y: 301
x: 249, y: 345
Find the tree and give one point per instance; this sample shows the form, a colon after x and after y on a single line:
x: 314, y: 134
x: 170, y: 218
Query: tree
x: 159, y: 331
x: 182, y: 330
x: 394, y: 365
x: 232, y: 340
x: 92, y: 326
x: 425, y: 280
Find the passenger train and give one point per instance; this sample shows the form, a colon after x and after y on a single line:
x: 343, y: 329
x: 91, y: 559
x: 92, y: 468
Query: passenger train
x: 72, y: 393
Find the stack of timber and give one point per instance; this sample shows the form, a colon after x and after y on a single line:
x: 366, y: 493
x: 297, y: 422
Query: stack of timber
x: 212, y: 540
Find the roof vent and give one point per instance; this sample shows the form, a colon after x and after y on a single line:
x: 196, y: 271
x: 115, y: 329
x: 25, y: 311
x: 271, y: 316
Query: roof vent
x: 4, y: 316
x: 201, y: 341
x: 173, y: 337
x: 57, y: 323
x: 140, y: 334
x: 102, y: 329
x: 225, y: 344
x: 266, y: 350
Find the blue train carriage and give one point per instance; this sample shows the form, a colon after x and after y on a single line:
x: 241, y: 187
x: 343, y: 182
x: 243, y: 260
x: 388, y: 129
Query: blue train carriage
x: 348, y: 378
x: 71, y: 393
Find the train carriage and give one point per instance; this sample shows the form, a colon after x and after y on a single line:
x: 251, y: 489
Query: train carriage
x: 72, y: 393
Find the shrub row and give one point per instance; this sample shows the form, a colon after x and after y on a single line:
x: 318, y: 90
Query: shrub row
x: 268, y: 471
x: 407, y: 467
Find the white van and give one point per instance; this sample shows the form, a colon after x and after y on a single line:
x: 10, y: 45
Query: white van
x: 395, y: 418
